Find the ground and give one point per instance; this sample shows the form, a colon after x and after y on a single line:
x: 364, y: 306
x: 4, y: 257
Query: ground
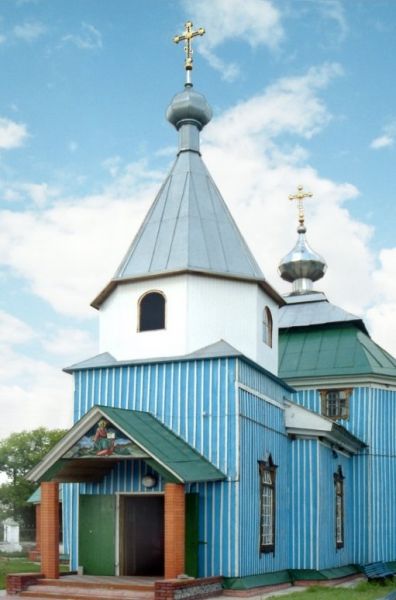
x: 362, y: 591
x: 17, y: 565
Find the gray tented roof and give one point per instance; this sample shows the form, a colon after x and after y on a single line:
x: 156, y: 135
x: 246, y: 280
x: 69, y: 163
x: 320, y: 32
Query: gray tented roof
x: 189, y: 227
x: 314, y: 309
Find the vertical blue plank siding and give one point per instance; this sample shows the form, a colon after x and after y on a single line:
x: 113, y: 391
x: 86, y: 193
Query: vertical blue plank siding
x: 312, y: 515
x: 196, y: 399
x: 370, y: 533
x: 360, y: 514
x: 70, y: 509
x: 262, y: 431
x: 257, y: 380
x: 233, y: 414
x: 201, y: 414
x: 304, y: 504
x: 256, y: 441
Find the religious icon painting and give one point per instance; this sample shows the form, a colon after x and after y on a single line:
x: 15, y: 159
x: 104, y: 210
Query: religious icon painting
x: 103, y: 440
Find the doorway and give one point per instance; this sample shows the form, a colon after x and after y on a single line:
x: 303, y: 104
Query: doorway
x: 142, y: 535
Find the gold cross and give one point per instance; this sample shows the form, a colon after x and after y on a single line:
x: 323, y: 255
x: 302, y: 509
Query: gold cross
x: 187, y: 36
x: 299, y: 196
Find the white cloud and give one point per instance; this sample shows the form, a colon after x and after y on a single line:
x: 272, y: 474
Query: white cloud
x: 291, y: 105
x: 29, y: 31
x: 229, y: 71
x: 89, y: 38
x: 256, y: 22
x: 383, y: 141
x: 334, y: 10
x: 386, y: 139
x: 29, y: 390
x: 256, y: 174
x: 385, y: 276
x: 382, y: 315
x: 12, y: 135
x: 112, y: 165
x: 13, y: 331
x: 37, y: 193
x: 68, y: 252
x: 74, y: 344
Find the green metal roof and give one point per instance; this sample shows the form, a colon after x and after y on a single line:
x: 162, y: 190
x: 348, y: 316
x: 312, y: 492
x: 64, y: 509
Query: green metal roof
x: 165, y: 446
x: 35, y: 498
x: 331, y: 351
x: 167, y: 453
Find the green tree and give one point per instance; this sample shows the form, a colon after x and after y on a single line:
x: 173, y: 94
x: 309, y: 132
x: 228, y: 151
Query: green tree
x: 19, y: 453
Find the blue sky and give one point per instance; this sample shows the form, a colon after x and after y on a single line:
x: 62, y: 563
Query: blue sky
x: 303, y: 91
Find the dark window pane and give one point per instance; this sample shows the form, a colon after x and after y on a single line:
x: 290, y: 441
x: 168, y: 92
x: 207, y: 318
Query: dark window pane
x: 267, y: 327
x: 152, y: 312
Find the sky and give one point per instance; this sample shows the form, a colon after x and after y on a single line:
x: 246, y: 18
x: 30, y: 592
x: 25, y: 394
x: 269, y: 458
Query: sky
x: 302, y: 91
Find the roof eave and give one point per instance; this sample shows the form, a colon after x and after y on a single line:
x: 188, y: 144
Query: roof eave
x: 358, y: 379
x: 263, y: 370
x: 302, y: 422
x: 359, y: 323
x: 108, y: 289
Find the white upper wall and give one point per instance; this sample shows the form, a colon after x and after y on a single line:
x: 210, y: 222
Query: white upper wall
x: 200, y: 310
x: 231, y: 310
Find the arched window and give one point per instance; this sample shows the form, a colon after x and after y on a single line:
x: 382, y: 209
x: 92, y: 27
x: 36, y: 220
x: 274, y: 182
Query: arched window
x: 152, y: 312
x: 267, y: 327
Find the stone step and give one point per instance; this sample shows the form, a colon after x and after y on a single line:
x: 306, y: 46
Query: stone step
x: 81, y: 592
x: 92, y: 582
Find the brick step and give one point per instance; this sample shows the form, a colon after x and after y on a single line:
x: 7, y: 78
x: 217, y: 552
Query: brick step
x: 102, y: 584
x: 78, y: 592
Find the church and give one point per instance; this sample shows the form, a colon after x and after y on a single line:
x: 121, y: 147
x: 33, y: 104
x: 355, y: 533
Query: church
x: 223, y: 430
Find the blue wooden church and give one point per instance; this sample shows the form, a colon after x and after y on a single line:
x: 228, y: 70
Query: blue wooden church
x: 222, y: 429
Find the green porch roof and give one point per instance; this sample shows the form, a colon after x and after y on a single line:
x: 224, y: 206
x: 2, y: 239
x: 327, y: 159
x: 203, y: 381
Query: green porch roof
x: 166, y: 452
x: 331, y: 351
x: 35, y: 498
x: 167, y: 447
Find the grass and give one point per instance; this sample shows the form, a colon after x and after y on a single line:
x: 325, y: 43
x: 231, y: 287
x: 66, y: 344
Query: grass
x: 18, y: 565
x: 363, y: 591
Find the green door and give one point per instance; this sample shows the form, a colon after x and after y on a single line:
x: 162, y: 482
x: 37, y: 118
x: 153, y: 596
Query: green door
x: 192, y: 532
x: 97, y: 534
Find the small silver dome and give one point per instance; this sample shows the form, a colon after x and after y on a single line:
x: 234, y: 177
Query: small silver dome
x: 302, y: 265
x: 189, y: 107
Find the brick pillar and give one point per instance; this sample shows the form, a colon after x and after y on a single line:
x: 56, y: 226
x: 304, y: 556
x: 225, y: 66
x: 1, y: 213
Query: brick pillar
x: 174, y: 530
x: 49, y: 533
x: 38, y: 528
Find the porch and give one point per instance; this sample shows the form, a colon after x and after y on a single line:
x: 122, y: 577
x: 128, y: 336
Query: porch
x: 86, y: 587
x: 127, y: 533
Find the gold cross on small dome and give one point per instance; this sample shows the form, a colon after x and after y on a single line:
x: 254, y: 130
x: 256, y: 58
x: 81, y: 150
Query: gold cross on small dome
x: 299, y: 196
x: 187, y: 36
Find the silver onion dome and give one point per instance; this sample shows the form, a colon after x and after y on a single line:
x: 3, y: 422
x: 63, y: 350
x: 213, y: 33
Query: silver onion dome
x: 189, y: 107
x: 302, y: 266
x: 189, y: 112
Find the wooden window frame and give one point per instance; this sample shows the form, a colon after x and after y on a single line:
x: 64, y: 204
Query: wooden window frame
x: 139, y: 311
x: 268, y: 326
x: 343, y: 411
x: 267, y: 466
x: 339, y: 507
